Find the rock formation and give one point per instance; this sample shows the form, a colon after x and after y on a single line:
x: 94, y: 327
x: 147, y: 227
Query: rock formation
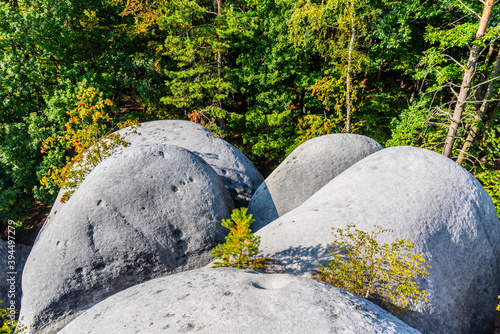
x: 308, y: 168
x: 144, y: 212
x: 235, y: 301
x: 151, y: 210
x: 424, y: 197
x: 235, y: 170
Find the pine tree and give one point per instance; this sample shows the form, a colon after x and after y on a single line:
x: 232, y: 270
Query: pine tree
x: 241, y: 245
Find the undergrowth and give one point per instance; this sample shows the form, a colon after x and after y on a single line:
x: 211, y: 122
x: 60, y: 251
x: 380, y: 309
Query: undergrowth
x: 370, y: 270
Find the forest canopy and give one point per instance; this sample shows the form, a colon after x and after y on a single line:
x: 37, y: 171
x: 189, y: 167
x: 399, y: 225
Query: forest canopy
x: 265, y: 75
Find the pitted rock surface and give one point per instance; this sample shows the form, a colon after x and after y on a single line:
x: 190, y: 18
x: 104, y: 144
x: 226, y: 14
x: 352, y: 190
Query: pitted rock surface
x: 235, y: 301
x: 235, y: 170
x: 146, y: 211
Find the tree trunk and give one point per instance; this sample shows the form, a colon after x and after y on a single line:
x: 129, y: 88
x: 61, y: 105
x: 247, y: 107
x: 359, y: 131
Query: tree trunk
x: 414, y: 89
x: 467, y: 80
x: 219, y: 120
x: 481, y: 111
x: 14, y: 4
x: 480, y: 93
x: 348, y: 79
x: 302, y: 106
x: 219, y: 54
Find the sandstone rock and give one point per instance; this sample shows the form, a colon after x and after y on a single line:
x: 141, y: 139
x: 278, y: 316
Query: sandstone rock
x: 11, y: 270
x: 235, y: 301
x: 423, y: 197
x: 233, y: 167
x: 308, y: 168
x: 144, y: 212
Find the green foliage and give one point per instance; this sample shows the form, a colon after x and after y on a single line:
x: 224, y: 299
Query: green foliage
x: 18, y: 163
x: 193, y: 40
x: 8, y: 326
x: 439, y: 74
x: 88, y: 135
x: 368, y: 269
x: 270, y: 134
x: 47, y: 48
x: 281, y: 82
x: 413, y: 127
x: 312, y: 126
x: 241, y: 245
x: 330, y: 27
x: 271, y: 75
x: 490, y: 179
x: 488, y: 152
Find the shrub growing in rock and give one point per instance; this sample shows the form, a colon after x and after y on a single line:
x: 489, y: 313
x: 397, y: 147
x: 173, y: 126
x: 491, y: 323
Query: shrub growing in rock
x: 368, y: 269
x: 241, y: 245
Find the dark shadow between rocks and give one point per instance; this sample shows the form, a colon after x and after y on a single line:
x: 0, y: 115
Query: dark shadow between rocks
x: 302, y: 260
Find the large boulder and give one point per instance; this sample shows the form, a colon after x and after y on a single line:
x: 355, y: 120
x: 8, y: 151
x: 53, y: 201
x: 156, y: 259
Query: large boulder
x: 235, y: 301
x: 424, y: 197
x: 144, y: 212
x: 233, y: 167
x: 235, y: 170
x: 306, y: 170
x: 12, y: 260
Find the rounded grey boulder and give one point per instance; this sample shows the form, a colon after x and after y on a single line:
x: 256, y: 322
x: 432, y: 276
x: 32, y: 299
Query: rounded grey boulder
x: 144, y: 212
x: 235, y: 301
x: 424, y: 197
x: 233, y: 167
x: 306, y: 170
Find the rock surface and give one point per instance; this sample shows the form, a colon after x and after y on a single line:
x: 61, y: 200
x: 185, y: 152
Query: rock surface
x: 424, y: 197
x: 235, y: 301
x: 306, y: 170
x: 235, y: 170
x: 144, y: 212
x: 11, y: 271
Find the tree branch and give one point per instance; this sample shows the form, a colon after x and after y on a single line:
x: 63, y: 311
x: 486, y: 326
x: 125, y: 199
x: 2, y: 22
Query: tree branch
x: 484, y: 82
x: 455, y: 93
x: 456, y: 61
x: 482, y: 101
x: 470, y: 10
x: 467, y: 79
